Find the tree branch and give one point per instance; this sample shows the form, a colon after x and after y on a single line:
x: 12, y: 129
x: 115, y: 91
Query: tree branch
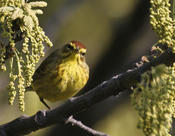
x: 119, y: 83
x: 79, y: 124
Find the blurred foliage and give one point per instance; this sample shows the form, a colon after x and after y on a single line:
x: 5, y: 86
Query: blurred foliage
x: 153, y: 98
x: 162, y: 22
x: 19, y: 21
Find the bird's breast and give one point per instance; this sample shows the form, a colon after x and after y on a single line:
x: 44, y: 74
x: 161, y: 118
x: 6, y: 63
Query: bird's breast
x: 71, y: 78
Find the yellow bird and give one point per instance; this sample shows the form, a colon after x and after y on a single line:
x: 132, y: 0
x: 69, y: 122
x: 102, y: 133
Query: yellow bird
x: 62, y: 74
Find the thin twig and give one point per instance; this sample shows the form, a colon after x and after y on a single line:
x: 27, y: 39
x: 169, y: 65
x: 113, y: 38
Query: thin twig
x: 79, y: 124
x: 119, y: 83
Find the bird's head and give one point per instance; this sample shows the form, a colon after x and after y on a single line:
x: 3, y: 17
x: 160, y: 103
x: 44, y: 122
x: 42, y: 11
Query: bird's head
x: 74, y: 49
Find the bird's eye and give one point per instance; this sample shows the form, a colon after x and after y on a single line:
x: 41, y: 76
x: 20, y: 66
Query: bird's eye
x: 70, y: 47
x: 83, y: 53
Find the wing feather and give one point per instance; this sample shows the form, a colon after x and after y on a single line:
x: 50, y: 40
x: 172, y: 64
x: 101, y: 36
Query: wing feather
x: 47, y: 65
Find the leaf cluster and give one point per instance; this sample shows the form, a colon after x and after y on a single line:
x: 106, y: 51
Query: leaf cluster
x: 19, y: 22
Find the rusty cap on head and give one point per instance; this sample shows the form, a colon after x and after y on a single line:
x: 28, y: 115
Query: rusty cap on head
x: 79, y: 44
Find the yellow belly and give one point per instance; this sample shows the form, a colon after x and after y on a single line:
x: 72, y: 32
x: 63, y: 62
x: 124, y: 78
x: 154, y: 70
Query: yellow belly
x: 63, y: 82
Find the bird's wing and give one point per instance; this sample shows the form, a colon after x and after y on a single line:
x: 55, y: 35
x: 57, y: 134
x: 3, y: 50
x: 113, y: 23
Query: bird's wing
x: 47, y: 65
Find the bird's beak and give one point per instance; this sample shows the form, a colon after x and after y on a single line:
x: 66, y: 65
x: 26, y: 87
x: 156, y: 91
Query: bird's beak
x: 77, y: 50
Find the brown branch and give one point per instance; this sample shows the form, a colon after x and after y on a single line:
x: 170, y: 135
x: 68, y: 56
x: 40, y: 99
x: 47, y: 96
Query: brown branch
x: 79, y: 124
x: 114, y: 86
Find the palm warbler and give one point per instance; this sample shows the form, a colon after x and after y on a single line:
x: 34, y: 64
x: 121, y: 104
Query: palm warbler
x: 62, y: 74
